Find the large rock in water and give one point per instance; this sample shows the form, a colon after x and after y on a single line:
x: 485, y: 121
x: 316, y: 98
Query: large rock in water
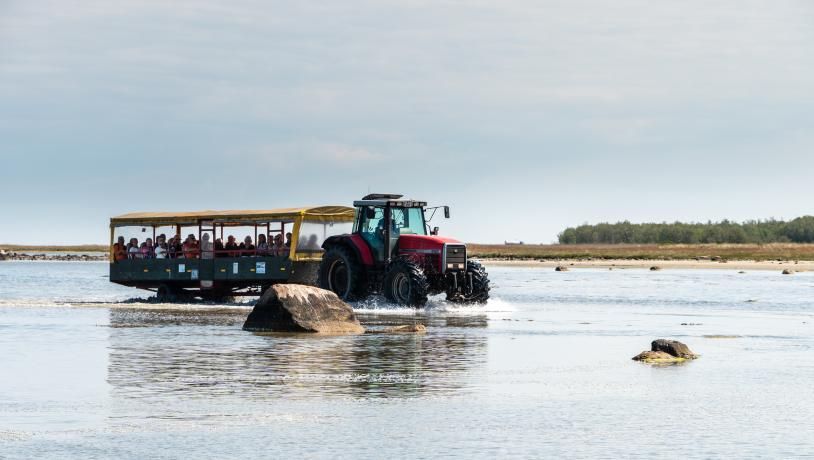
x: 300, y: 308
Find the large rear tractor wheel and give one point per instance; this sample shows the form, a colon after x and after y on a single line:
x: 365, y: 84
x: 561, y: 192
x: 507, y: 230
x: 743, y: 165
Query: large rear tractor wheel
x: 341, y: 273
x: 405, y: 283
x: 480, y: 285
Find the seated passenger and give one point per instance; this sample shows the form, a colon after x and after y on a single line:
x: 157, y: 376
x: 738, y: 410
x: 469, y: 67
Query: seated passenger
x: 149, y: 243
x: 262, y: 245
x: 190, y: 247
x: 246, y: 247
x: 288, y: 240
x: 132, y: 248
x: 170, y: 246
x: 176, y: 248
x: 279, y: 248
x: 231, y: 246
x: 219, y: 248
x: 159, y: 240
x: 161, y: 251
x: 119, y: 250
x: 143, y: 252
x: 206, y: 247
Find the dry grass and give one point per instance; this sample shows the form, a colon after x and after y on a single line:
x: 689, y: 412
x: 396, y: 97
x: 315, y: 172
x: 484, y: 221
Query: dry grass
x: 758, y: 252
x: 54, y: 248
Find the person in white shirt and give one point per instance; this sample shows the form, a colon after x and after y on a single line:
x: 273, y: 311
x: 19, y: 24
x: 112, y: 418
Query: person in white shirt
x: 161, y: 251
x: 133, y: 250
x: 207, y: 248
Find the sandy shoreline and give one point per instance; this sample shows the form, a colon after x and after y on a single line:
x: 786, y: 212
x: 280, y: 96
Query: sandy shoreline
x: 798, y: 266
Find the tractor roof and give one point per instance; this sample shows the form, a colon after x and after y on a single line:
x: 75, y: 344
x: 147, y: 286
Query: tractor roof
x: 388, y: 199
x: 382, y: 196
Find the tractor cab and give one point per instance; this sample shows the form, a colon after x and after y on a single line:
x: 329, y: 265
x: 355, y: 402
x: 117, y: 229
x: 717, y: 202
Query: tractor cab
x: 392, y: 251
x: 381, y: 219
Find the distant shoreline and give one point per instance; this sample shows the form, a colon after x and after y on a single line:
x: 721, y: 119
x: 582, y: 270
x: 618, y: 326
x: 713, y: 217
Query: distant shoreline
x: 778, y: 252
x: 621, y: 264
x: 798, y: 257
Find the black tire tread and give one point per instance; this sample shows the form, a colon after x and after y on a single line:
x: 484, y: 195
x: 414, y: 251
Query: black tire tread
x: 480, y: 284
x: 419, y: 286
x: 358, y: 284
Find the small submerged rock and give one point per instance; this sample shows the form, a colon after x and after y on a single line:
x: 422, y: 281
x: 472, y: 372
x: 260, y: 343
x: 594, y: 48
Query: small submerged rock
x: 655, y: 268
x: 561, y: 268
x: 666, y: 351
x: 673, y: 347
x: 405, y: 329
x: 788, y: 271
x: 656, y: 357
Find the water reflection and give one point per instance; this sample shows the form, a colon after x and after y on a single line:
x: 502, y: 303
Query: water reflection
x: 202, y: 353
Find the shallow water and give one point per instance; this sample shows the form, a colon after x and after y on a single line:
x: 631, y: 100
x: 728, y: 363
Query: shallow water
x: 89, y: 370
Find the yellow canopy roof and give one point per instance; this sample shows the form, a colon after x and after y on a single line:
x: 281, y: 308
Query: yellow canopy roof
x: 320, y: 213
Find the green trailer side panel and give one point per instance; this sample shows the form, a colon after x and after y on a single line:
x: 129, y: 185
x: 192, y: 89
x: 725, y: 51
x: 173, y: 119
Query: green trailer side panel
x: 243, y: 269
x: 252, y: 268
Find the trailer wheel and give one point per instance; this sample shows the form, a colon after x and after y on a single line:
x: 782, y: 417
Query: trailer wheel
x: 340, y: 272
x: 480, y: 285
x: 405, y: 283
x: 166, y: 293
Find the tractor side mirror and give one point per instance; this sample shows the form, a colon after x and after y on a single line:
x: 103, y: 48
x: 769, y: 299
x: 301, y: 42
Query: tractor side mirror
x: 434, y: 231
x: 446, y: 212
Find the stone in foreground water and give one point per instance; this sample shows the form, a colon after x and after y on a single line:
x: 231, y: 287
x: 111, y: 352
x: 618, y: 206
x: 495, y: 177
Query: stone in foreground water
x: 300, y: 308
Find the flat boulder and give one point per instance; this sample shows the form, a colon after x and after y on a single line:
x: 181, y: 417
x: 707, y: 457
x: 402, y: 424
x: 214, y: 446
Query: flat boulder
x: 405, y: 329
x: 657, y: 357
x: 301, y: 308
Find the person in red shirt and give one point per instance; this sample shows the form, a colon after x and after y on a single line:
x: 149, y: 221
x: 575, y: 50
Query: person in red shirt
x: 119, y: 250
x: 190, y: 247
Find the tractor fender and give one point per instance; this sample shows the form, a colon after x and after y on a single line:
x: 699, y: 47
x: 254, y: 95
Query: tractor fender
x: 356, y: 244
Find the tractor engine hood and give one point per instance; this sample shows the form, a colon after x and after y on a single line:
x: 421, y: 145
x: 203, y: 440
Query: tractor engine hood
x: 424, y: 242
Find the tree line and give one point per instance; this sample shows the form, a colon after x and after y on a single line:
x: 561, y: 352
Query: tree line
x: 799, y: 230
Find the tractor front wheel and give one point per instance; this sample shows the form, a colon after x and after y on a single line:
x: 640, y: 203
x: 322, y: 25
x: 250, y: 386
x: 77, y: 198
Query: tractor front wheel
x: 405, y: 283
x: 341, y: 273
x: 480, y: 285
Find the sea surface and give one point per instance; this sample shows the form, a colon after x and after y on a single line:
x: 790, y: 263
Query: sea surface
x: 93, y: 370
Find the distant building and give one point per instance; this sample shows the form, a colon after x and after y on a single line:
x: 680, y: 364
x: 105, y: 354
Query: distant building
x: 513, y: 243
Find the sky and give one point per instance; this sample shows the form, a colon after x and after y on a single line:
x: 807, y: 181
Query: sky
x: 525, y: 117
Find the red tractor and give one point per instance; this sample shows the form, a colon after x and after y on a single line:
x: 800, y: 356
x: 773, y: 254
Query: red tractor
x: 392, y: 251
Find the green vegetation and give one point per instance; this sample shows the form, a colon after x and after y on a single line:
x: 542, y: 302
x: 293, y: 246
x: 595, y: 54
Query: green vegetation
x: 757, y: 252
x: 800, y: 230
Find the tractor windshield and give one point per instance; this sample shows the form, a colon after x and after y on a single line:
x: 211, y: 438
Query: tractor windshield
x: 409, y: 221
